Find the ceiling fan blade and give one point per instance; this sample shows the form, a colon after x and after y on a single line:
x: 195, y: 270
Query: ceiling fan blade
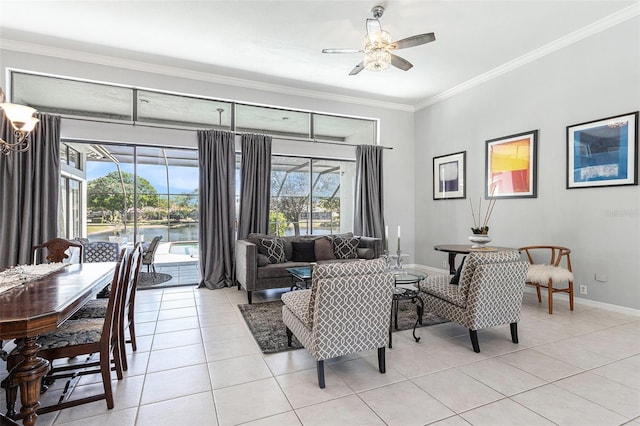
x: 415, y: 40
x: 357, y: 69
x: 338, y: 50
x: 373, y: 28
x: 401, y: 63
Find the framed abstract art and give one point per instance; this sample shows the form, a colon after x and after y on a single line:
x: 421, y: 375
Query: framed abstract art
x: 603, y: 152
x: 449, y: 176
x: 511, y: 166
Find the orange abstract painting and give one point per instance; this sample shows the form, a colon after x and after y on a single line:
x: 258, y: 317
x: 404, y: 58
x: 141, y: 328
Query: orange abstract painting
x: 510, y: 166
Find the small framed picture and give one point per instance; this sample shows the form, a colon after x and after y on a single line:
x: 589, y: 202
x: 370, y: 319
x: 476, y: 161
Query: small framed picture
x: 449, y: 176
x: 603, y: 152
x: 511, y: 166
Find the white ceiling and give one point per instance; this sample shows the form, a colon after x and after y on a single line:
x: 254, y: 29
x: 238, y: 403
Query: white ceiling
x: 280, y: 42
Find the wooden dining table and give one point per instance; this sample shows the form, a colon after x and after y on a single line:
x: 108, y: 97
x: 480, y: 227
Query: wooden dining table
x: 40, y: 306
x: 455, y: 249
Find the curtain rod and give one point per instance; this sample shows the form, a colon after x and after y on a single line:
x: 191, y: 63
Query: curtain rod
x: 190, y: 129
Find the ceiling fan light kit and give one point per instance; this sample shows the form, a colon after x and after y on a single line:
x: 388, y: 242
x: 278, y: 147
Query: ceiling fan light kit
x: 377, y: 60
x: 378, y: 47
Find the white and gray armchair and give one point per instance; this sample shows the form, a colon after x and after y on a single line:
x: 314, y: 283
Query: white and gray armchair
x: 345, y: 311
x: 489, y: 293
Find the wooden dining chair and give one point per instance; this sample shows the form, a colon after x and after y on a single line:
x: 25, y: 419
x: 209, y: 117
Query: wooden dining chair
x: 550, y: 265
x: 56, y: 250
x: 97, y: 308
x: 80, y: 337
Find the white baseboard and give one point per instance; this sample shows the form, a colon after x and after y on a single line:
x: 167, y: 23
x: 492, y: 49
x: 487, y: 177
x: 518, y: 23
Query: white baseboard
x: 589, y: 302
x: 561, y: 296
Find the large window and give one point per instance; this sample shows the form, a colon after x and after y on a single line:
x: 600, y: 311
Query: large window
x: 127, y: 193
x: 76, y: 98
x: 70, y: 203
x: 311, y: 196
x: 71, y: 221
x: 133, y: 193
x: 72, y: 97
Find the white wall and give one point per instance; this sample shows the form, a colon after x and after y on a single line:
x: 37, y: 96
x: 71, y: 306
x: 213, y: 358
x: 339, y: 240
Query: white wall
x: 396, y: 129
x: 594, y: 78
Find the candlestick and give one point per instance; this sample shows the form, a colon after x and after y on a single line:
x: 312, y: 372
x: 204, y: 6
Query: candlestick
x: 398, y: 237
x: 386, y: 237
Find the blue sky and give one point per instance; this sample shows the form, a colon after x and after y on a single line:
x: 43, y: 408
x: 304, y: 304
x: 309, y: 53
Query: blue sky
x: 181, y: 179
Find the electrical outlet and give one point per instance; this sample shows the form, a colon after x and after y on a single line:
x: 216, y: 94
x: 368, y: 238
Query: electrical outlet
x: 583, y: 289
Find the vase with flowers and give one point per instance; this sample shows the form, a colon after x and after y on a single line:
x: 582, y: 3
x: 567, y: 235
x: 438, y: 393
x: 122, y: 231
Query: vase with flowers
x: 480, y: 229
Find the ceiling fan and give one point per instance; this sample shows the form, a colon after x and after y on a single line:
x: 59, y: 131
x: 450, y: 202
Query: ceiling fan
x: 378, y: 46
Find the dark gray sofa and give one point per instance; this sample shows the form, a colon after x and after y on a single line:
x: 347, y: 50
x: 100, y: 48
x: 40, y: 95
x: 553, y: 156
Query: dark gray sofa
x: 254, y: 271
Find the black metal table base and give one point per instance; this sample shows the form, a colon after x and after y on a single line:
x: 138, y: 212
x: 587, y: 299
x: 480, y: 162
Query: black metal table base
x: 411, y: 295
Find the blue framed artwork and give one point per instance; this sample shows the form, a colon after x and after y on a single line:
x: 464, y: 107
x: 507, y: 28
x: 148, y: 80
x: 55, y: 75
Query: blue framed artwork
x: 603, y: 152
x: 449, y: 175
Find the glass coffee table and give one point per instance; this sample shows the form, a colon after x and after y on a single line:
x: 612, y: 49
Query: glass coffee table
x: 406, y: 289
x: 302, y: 276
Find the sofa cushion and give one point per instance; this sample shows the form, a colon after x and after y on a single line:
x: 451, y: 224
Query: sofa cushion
x: 323, y: 249
x: 279, y: 270
x: 345, y: 248
x: 255, y: 237
x: 273, y: 248
x: 345, y: 235
x: 303, y: 251
x: 365, y: 253
x: 262, y: 260
x: 440, y: 287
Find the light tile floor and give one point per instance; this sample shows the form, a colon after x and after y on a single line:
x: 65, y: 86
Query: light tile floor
x: 197, y: 364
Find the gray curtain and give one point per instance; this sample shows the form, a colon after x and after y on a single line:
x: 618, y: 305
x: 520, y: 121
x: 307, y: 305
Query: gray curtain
x: 369, y: 208
x: 29, y: 190
x: 255, y: 185
x: 216, y: 152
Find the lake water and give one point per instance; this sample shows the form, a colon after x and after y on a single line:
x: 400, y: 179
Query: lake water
x: 184, y: 232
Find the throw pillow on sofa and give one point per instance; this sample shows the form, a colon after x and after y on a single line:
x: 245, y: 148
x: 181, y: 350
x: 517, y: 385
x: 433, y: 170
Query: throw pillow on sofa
x: 345, y: 248
x: 273, y: 248
x: 323, y: 249
x: 365, y: 253
x: 303, y: 251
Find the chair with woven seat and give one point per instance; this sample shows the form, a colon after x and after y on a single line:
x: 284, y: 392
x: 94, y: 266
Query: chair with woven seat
x: 550, y: 265
x: 149, y: 254
x: 345, y: 311
x: 488, y: 294
x: 97, y: 308
x: 58, y: 250
x: 73, y: 339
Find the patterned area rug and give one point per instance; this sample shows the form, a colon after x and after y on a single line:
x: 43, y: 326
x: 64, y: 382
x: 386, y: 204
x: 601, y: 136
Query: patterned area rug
x: 148, y: 280
x: 265, y: 322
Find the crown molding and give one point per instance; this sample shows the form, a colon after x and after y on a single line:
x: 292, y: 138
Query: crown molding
x: 55, y: 52
x: 578, y: 35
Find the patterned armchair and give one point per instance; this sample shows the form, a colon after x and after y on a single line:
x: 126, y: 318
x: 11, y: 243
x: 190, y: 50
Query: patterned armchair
x: 101, y: 251
x: 346, y: 310
x: 489, y: 293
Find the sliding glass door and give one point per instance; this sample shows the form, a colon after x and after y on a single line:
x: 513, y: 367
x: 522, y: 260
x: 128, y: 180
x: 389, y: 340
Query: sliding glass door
x: 311, y: 196
x: 133, y: 193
